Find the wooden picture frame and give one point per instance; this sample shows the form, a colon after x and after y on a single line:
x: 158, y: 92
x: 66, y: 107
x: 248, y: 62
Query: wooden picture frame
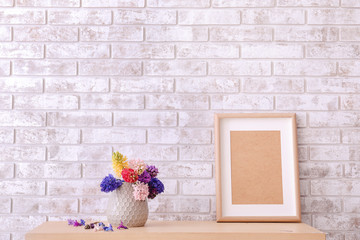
x: 257, y: 175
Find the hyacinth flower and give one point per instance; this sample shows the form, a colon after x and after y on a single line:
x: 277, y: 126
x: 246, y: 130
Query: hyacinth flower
x: 71, y: 222
x: 109, y: 228
x: 119, y: 162
x: 137, y: 165
x: 109, y: 183
x: 122, y: 226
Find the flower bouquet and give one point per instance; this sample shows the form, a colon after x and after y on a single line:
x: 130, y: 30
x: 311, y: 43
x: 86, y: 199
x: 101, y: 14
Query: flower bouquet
x: 136, y: 183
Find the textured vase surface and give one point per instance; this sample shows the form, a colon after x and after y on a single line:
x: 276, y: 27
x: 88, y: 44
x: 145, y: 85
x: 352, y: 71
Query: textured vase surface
x: 122, y: 206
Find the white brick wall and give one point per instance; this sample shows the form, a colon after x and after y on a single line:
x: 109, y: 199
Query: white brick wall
x: 82, y: 78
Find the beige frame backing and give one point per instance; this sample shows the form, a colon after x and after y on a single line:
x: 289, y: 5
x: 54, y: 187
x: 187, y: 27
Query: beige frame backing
x: 219, y: 216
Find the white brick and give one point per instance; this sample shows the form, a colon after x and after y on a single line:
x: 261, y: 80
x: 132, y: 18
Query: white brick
x: 46, y: 102
x: 123, y: 16
x: 350, y: 136
x: 76, y: 84
x: 179, y: 205
x: 22, y: 153
x: 111, y: 33
x: 176, y: 68
x: 171, y: 187
x: 350, y: 34
x: 185, y: 170
x: 5, y: 101
x: 143, y: 50
x: 6, y: 136
x: 350, y: 102
x: 307, y: 68
x: 242, y: 33
x: 302, y: 153
x: 45, y: 205
x: 61, y: 50
x: 178, y: 3
x: 47, y: 136
x: 334, y: 16
x: 308, y: 3
x: 113, y: 135
x: 16, y: 119
x: 242, y: 102
x: 148, y: 152
x: 77, y: 119
x: 198, y: 187
x: 6, y: 3
x: 352, y: 205
x: 177, y: 102
x: 304, y: 188
x: 48, y: 3
x: 197, y: 153
x: 96, y: 170
x: 352, y: 170
x: 196, y: 119
x: 243, y: 3
x: 209, y: 16
x: 233, y: 67
x: 113, y: 67
x: 335, y: 187
x: 333, y: 85
x: 146, y: 119
x: 79, y: 16
x: 44, y: 67
x: 328, y: 136
x: 5, y: 206
x: 73, y: 187
x: 334, y: 119
x: 350, y: 3
x: 352, y: 236
x: 6, y: 170
x: 200, y: 50
x: 273, y: 16
x: 207, y: 85
x: 182, y: 136
x: 22, y: 84
x: 134, y: 85
x: 339, y: 50
x: 22, y: 188
x: 93, y: 205
x: 4, y: 68
x: 273, y: 85
x: 16, y: 223
x: 306, y: 102
x: 79, y: 153
x: 320, y: 170
x: 45, y: 34
x: 330, y: 153
x: 320, y: 204
x: 176, y: 33
x: 349, y: 68
x: 112, y: 101
x: 113, y: 3
x: 281, y: 50
x: 21, y: 50
x: 40, y: 170
x: 305, y: 33
x: 336, y: 222
x: 21, y: 16
x: 5, y: 33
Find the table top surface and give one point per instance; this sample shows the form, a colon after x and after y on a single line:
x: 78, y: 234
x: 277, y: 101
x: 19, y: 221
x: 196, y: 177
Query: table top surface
x: 181, y: 230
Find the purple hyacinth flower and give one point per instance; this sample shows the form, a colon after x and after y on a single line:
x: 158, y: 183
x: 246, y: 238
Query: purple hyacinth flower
x: 109, y: 228
x: 110, y: 183
x: 152, y: 170
x: 122, y: 226
x: 76, y: 224
x: 145, y: 177
x: 70, y: 222
x: 82, y: 222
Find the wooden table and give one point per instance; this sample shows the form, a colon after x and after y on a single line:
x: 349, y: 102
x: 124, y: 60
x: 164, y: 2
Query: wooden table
x: 190, y: 230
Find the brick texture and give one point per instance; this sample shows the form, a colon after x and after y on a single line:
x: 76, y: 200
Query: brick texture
x: 80, y: 79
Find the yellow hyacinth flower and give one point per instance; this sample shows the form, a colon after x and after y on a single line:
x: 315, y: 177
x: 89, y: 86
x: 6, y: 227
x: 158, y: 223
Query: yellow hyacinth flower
x: 119, y: 163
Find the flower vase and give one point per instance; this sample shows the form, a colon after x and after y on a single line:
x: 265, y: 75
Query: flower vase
x: 122, y: 207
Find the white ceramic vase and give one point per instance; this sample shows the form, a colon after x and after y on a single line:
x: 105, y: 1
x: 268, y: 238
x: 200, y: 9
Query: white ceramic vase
x: 122, y: 206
